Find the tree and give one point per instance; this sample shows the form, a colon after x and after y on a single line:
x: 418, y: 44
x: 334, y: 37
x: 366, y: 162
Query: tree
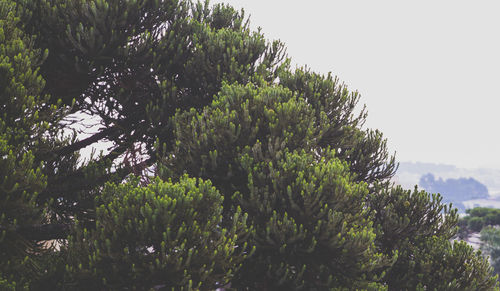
x: 162, y: 235
x: 478, y: 218
x: 420, y: 229
x: 490, y: 238
x: 265, y: 145
x: 226, y: 167
x: 28, y: 130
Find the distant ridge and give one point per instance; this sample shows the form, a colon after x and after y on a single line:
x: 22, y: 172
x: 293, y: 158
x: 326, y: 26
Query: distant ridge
x: 455, y: 191
x: 410, y: 174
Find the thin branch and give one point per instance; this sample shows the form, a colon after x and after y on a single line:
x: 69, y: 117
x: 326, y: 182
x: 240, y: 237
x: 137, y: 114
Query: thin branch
x: 107, y: 132
x: 41, y: 232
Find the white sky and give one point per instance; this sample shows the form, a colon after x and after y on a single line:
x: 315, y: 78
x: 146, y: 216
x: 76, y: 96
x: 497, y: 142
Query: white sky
x: 428, y: 71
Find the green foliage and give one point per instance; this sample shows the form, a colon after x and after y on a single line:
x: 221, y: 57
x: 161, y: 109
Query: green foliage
x: 419, y: 228
x: 23, y: 123
x: 478, y: 218
x: 289, y: 191
x: 443, y: 265
x: 313, y: 229
x: 165, y: 235
x: 490, y: 238
x: 364, y: 150
x: 475, y: 223
x: 131, y: 65
x: 308, y: 210
x: 7, y: 286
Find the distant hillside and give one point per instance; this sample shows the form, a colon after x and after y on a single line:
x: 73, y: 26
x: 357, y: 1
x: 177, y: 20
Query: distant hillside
x: 455, y: 191
x: 410, y: 174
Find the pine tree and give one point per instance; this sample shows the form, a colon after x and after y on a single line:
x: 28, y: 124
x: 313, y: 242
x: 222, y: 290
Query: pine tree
x: 131, y: 65
x: 164, y: 235
x: 420, y: 228
x: 226, y: 168
x: 27, y: 130
x: 262, y: 147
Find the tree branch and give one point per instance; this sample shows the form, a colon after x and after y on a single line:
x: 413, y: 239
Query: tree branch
x: 107, y: 132
x: 41, y: 232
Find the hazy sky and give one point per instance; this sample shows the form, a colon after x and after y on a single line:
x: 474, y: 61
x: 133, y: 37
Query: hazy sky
x: 428, y: 71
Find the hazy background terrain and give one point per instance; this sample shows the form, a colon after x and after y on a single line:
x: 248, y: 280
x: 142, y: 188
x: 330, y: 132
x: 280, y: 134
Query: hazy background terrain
x: 463, y: 184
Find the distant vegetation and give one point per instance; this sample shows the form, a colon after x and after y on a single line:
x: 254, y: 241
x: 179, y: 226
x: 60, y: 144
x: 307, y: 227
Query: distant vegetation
x: 487, y: 222
x: 478, y: 218
x: 490, y: 236
x: 409, y: 174
x: 454, y: 191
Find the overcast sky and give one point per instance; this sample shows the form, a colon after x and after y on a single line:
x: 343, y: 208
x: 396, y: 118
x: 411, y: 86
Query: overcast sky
x: 428, y: 71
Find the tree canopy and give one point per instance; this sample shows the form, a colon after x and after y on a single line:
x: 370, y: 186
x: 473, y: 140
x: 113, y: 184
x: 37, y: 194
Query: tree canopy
x: 478, y: 218
x: 225, y: 167
x: 486, y: 221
